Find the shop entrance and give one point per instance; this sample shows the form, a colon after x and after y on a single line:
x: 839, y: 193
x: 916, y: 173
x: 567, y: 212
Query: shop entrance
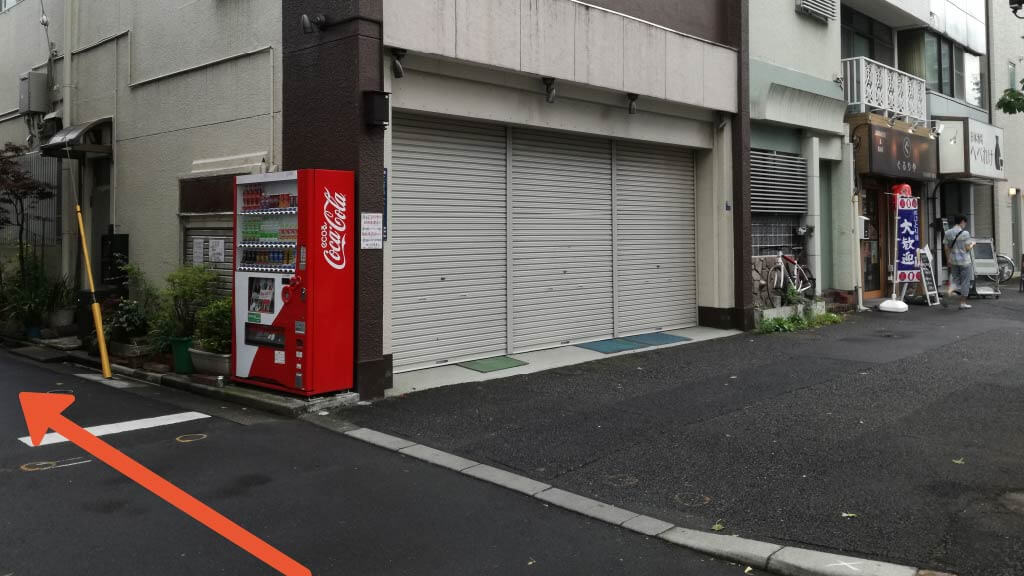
x: 874, y: 249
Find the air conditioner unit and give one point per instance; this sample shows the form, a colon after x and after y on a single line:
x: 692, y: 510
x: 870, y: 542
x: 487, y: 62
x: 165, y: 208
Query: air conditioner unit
x: 32, y: 93
x: 823, y: 10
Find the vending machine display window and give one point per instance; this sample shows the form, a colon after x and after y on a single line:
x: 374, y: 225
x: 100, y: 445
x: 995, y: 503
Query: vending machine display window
x: 260, y: 335
x: 261, y: 295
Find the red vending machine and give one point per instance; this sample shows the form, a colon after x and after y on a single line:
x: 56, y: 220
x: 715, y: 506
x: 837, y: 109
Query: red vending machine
x: 294, y: 279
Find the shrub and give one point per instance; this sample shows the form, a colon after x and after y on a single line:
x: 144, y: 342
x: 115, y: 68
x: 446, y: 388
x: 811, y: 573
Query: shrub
x: 129, y: 321
x: 795, y: 323
x: 189, y: 289
x: 26, y: 295
x: 213, y: 326
x: 62, y: 294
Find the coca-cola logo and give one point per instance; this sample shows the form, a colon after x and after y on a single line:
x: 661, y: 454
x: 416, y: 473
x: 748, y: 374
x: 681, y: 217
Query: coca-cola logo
x: 333, y: 234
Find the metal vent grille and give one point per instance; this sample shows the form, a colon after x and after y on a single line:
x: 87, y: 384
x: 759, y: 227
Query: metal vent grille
x: 824, y: 10
x: 778, y: 182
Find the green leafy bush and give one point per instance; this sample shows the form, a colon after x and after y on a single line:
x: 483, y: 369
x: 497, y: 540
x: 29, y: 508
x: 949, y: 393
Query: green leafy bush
x: 129, y: 321
x: 795, y: 323
x: 62, y: 294
x: 188, y: 289
x: 213, y: 326
x: 26, y: 295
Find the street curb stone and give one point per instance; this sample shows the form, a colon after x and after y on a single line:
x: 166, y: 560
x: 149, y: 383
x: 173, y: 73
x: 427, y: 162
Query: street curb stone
x: 750, y: 552
x: 379, y: 439
x: 506, y: 479
x: 800, y: 562
x: 647, y: 526
x: 434, y: 456
x: 267, y: 401
x: 586, y: 506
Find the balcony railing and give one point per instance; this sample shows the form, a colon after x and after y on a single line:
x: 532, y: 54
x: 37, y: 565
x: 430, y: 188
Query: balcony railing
x: 872, y: 86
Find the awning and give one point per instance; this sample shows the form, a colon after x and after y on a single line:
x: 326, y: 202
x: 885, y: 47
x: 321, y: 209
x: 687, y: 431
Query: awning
x: 81, y: 141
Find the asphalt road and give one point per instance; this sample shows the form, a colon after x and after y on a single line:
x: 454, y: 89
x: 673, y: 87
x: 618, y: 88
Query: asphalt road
x: 336, y: 505
x: 896, y: 437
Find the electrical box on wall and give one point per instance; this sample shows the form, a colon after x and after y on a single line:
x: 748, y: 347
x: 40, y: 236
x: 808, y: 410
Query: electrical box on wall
x: 32, y: 93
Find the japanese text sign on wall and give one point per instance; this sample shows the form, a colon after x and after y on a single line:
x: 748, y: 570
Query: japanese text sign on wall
x: 899, y: 154
x: 907, y: 239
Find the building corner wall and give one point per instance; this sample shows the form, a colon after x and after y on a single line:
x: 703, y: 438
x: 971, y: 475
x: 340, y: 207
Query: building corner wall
x: 325, y: 76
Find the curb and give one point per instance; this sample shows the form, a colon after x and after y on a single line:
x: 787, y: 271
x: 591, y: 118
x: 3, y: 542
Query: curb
x: 291, y: 407
x: 765, y: 556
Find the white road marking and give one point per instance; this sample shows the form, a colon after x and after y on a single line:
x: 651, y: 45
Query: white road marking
x: 850, y: 565
x: 112, y: 382
x: 105, y: 429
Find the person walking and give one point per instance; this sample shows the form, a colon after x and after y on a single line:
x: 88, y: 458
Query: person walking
x: 958, y: 244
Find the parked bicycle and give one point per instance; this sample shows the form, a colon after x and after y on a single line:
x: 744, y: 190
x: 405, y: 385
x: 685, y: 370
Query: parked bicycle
x: 788, y: 272
x: 1006, y: 269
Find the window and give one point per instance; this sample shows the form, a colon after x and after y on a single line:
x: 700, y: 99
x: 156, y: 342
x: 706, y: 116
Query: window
x: 7, y: 4
x: 948, y: 67
x: 974, y: 80
x: 1011, y: 76
x: 864, y: 37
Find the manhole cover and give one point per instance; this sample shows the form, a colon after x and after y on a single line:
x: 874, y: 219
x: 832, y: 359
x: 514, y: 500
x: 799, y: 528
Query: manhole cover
x: 691, y: 499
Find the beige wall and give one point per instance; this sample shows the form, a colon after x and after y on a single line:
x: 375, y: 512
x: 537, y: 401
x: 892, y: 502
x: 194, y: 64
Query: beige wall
x: 780, y: 36
x: 151, y: 66
x: 1007, y: 47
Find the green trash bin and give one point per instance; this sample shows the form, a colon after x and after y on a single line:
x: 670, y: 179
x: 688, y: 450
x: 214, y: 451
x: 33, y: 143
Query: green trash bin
x: 182, y: 357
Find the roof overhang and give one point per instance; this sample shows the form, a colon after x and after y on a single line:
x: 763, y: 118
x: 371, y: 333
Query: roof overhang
x: 82, y: 141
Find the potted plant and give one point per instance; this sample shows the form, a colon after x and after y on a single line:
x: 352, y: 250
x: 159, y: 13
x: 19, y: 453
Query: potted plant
x: 128, y: 329
x: 213, y: 339
x: 188, y: 289
x: 26, y: 299
x: 61, y: 302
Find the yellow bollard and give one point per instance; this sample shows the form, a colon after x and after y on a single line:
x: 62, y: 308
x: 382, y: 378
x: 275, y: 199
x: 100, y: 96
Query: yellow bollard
x: 97, y: 316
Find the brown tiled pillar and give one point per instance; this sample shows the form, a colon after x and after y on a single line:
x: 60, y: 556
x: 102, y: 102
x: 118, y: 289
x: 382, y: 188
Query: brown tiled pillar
x: 744, y: 308
x: 325, y: 75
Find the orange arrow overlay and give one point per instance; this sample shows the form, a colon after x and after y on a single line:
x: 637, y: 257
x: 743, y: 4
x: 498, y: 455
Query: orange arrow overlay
x: 43, y: 412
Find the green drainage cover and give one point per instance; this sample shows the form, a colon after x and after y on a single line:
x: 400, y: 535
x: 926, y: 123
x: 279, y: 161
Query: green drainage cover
x: 492, y: 364
x: 656, y: 339
x: 611, y: 346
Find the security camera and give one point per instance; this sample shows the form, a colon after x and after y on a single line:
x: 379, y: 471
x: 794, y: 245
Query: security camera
x: 313, y: 23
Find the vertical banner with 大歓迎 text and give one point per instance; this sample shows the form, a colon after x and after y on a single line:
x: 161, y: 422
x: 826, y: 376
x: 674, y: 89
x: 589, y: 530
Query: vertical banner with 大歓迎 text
x: 907, y: 239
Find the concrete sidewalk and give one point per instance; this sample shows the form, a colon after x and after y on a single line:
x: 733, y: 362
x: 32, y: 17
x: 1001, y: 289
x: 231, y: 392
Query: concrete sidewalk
x: 893, y: 437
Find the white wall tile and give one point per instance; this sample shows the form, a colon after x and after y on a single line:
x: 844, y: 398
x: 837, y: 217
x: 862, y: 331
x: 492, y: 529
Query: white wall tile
x: 644, y: 58
x: 548, y: 39
x: 487, y: 31
x: 598, y: 47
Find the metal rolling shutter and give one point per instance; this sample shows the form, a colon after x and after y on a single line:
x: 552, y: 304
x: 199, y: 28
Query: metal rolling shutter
x: 448, y: 241
x: 208, y: 228
x: 560, y: 191
x: 656, y: 251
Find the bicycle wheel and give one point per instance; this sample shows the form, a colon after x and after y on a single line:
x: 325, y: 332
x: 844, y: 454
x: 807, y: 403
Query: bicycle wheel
x: 776, y: 280
x: 1006, y: 269
x: 804, y: 281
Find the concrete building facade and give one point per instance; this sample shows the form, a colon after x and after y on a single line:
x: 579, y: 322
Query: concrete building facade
x: 175, y: 114
x: 1006, y: 64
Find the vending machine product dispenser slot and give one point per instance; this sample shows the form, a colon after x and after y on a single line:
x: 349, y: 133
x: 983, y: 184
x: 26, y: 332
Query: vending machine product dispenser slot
x: 293, y: 281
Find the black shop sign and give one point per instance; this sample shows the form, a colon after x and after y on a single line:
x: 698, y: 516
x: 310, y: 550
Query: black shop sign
x: 900, y: 154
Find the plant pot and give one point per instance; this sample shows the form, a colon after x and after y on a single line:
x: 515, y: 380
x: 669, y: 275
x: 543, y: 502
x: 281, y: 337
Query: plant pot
x: 136, y: 348
x: 182, y: 359
x: 62, y: 317
x: 33, y: 331
x: 210, y: 362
